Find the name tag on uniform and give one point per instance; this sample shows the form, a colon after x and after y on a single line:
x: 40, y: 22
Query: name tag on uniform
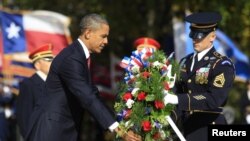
x: 202, y: 75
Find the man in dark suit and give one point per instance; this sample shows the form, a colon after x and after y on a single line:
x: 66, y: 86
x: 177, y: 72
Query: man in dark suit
x: 69, y: 90
x: 205, y: 80
x: 31, y: 89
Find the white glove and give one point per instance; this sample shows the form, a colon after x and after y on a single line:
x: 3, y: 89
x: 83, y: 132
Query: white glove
x: 170, y: 98
x: 171, y: 78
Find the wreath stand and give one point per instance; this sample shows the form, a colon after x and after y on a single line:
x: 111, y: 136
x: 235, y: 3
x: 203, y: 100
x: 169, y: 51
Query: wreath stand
x: 175, y: 128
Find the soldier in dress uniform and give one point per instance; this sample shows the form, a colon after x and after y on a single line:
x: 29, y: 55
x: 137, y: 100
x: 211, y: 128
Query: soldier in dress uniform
x: 5, y: 99
x: 206, y: 78
x: 31, y: 89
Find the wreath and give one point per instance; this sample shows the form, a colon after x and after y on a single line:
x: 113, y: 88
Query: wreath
x: 139, y: 107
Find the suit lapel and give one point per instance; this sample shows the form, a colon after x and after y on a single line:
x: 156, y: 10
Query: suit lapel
x: 189, y: 63
x: 185, y: 72
x: 82, y: 57
x: 37, y: 80
x: 80, y: 52
x: 200, y: 64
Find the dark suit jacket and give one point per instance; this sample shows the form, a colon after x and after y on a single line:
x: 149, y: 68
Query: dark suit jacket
x: 69, y: 91
x: 203, y: 92
x: 30, y: 94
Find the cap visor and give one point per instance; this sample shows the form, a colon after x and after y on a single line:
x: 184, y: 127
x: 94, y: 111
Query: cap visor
x: 198, y: 35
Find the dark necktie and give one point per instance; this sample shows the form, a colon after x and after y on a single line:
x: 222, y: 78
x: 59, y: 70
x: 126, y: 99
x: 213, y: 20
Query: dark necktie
x: 196, y: 59
x: 88, y: 61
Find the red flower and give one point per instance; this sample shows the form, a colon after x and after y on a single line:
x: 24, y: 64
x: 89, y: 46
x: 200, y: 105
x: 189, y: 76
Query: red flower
x: 131, y: 80
x: 146, y: 125
x: 168, y: 62
x: 148, y: 54
x: 159, y: 104
x: 141, y: 96
x: 145, y: 74
x: 164, y: 68
x: 127, y: 96
x: 156, y: 135
x: 166, y: 86
x: 128, y: 113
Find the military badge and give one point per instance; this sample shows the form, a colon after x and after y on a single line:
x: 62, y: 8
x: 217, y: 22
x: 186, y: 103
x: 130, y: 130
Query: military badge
x: 206, y: 58
x: 226, y: 62
x: 212, y: 58
x: 219, y: 80
x: 202, y: 75
x: 199, y: 97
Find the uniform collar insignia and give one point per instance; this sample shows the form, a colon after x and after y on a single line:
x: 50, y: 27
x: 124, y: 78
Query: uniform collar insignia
x: 206, y: 58
x: 212, y: 58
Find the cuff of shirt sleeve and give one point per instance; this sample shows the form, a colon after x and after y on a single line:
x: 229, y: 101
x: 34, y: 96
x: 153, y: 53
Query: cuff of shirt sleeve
x: 113, y: 126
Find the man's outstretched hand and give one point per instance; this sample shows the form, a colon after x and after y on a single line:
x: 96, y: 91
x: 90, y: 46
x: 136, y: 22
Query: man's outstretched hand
x: 131, y: 136
x: 128, y: 136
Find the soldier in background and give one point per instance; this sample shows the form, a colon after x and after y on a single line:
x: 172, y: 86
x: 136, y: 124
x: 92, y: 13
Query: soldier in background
x: 31, y: 89
x: 7, y: 114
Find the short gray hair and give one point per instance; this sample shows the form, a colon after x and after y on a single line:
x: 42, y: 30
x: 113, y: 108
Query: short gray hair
x: 92, y: 21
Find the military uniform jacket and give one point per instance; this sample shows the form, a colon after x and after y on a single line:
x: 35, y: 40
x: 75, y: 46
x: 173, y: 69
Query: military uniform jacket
x: 69, y: 92
x: 203, y: 91
x: 4, y: 123
x: 30, y: 95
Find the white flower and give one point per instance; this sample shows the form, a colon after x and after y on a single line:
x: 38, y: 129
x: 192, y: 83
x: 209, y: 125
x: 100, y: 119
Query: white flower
x: 134, y: 91
x: 157, y: 64
x: 130, y: 103
x: 163, y: 135
x: 135, y: 69
x: 129, y: 124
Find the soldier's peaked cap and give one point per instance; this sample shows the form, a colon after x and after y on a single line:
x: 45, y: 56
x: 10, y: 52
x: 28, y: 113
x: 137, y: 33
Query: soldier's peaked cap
x: 202, y: 23
x: 44, y: 51
x: 147, y: 42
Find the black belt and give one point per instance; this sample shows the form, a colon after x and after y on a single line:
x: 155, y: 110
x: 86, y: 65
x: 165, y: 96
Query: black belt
x: 214, y: 111
x: 201, y: 111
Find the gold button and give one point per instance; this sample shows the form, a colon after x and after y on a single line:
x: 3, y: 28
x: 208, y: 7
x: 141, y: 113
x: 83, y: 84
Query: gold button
x: 191, y: 112
x: 189, y: 80
x: 189, y: 91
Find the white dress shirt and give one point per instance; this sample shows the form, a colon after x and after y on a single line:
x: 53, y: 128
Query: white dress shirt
x: 200, y: 55
x: 42, y: 75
